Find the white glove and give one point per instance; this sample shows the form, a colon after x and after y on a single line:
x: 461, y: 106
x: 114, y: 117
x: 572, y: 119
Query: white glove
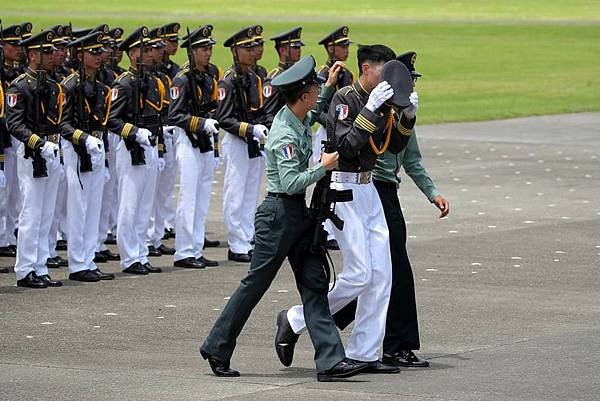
x: 143, y: 137
x: 211, y: 126
x: 216, y: 162
x: 260, y: 132
x: 168, y: 130
x: 2, y: 179
x: 382, y: 92
x: 411, y: 111
x: 106, y: 174
x: 93, y: 145
x: 161, y: 164
x: 49, y: 151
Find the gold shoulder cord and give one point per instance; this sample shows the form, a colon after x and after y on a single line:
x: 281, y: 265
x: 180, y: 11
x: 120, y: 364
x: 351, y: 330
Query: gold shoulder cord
x: 388, y: 134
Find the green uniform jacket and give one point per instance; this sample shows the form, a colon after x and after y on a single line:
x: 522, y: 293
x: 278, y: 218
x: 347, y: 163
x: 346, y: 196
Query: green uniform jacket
x: 289, y: 147
x: 388, y: 167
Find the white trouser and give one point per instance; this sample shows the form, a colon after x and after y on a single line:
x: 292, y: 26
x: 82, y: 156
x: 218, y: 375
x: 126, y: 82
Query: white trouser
x: 241, y: 189
x: 319, y: 136
x: 366, y: 275
x: 84, y: 198
x: 196, y: 171
x: 110, y: 204
x: 13, y: 198
x: 167, y: 182
x: 39, y: 201
x: 59, y: 221
x: 136, y: 197
x: 163, y: 199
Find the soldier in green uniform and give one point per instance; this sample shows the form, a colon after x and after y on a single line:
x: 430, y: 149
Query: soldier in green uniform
x: 289, y: 49
x: 283, y: 230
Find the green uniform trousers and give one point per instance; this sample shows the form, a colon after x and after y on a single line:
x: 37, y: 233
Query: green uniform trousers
x: 282, y: 229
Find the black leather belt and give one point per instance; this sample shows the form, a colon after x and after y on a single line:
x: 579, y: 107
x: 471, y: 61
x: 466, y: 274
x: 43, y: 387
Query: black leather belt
x: 295, y: 197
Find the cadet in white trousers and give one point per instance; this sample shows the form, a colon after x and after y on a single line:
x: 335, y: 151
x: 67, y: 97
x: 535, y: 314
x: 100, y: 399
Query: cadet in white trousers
x: 363, y: 127
x: 137, y: 154
x: 240, y: 114
x: 36, y: 125
x: 83, y: 130
x: 193, y: 102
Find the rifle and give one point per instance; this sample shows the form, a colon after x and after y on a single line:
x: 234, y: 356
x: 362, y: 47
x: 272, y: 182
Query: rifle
x: 1, y: 54
x: 201, y: 141
x: 324, y: 199
x: 39, y: 164
x: 253, y: 146
x: 137, y: 153
x: 72, y: 62
x: 82, y: 120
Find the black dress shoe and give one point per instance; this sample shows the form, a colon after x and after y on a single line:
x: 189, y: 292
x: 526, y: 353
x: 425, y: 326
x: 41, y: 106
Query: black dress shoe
x: 219, y: 368
x: 251, y: 252
x: 153, y: 252
x: 7, y: 251
x: 405, y: 358
x: 166, y: 250
x: 238, y: 257
x: 53, y: 263
x: 102, y: 275
x: 189, y: 263
x: 14, y: 248
x: 380, y: 367
x: 61, y: 262
x: 169, y: 233
x: 110, y: 239
x: 333, y: 245
x: 85, y: 276
x: 285, y: 339
x: 4, y: 270
x: 49, y: 282
x: 211, y: 244
x: 32, y: 281
x: 109, y: 255
x: 207, y: 262
x: 100, y: 258
x: 136, y: 268
x: 152, y: 269
x: 345, y: 368
x: 61, y: 245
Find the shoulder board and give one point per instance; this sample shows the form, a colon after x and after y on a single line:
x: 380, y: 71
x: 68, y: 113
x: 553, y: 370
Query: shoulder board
x: 228, y: 73
x: 70, y: 78
x: 274, y: 72
x: 17, y: 79
x: 346, y: 90
x: 182, y: 72
x: 322, y: 68
x: 123, y: 75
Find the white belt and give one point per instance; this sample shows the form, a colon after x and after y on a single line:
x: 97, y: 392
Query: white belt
x: 351, y: 178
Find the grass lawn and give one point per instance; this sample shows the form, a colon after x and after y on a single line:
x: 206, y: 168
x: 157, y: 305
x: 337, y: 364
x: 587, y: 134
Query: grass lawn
x: 480, y: 59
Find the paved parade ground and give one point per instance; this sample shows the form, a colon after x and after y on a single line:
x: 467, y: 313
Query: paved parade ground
x: 507, y: 288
